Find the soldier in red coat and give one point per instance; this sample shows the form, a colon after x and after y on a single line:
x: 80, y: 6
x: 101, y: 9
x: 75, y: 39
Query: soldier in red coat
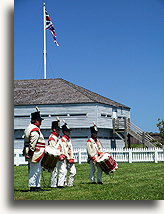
x: 34, y: 146
x: 66, y: 159
x: 94, y: 150
x: 53, y: 141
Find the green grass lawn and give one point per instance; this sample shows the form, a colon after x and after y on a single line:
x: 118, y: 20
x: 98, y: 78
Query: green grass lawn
x: 136, y: 181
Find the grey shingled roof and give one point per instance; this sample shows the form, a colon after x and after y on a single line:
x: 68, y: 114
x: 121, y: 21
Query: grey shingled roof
x: 55, y: 91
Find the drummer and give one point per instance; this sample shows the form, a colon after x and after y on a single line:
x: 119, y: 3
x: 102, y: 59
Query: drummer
x: 54, y: 142
x: 94, y: 150
x: 66, y: 159
x: 34, y: 146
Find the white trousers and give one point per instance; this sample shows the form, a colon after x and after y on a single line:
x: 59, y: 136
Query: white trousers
x: 54, y: 176
x: 35, y: 174
x: 71, y: 169
x: 62, y: 172
x: 92, y: 172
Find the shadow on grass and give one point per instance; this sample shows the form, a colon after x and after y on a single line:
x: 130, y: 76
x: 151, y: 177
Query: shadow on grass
x: 25, y: 190
x: 18, y: 190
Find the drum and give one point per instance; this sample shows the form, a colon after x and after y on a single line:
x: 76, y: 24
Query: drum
x: 50, y: 158
x: 107, y: 163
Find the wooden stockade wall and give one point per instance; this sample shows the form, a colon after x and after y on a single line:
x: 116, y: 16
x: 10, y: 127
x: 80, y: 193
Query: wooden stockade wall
x: 120, y: 155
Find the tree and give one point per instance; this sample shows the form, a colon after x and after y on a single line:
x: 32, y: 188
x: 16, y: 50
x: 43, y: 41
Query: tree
x: 160, y: 127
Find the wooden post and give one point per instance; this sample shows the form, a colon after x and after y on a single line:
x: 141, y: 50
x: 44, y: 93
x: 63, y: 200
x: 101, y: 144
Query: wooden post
x: 129, y: 143
x: 125, y: 133
x: 79, y: 158
x: 114, y: 123
x: 130, y: 156
x: 113, y: 141
x: 156, y: 156
x: 143, y: 139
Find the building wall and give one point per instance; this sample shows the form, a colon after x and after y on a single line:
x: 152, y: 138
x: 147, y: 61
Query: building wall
x: 106, y: 113
x: 78, y: 116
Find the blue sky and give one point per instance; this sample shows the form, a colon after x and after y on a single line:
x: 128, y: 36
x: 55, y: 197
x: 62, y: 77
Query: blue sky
x: 111, y: 47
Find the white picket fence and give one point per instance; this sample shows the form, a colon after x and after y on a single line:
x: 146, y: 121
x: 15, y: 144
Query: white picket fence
x: 120, y: 155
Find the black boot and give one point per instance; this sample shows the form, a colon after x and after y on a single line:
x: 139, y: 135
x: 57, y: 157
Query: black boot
x: 36, y: 189
x: 33, y: 189
x: 40, y: 189
x: 93, y: 182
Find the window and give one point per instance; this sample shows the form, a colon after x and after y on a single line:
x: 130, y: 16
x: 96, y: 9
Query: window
x: 78, y: 115
x: 58, y: 115
x: 54, y: 115
x: 42, y: 115
x: 106, y: 115
x: 29, y: 116
x: 121, y: 117
x: 22, y: 116
x: 69, y: 115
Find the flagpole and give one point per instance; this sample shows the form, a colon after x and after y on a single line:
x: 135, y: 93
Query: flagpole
x: 44, y: 51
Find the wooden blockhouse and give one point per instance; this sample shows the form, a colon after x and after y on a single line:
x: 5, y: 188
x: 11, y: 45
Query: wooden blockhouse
x: 78, y: 106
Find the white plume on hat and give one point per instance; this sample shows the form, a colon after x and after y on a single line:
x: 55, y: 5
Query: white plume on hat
x: 95, y: 126
x: 66, y: 124
x: 37, y: 109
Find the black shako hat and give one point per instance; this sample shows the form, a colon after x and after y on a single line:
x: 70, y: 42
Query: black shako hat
x: 36, y: 115
x: 93, y: 128
x: 65, y: 127
x: 55, y: 124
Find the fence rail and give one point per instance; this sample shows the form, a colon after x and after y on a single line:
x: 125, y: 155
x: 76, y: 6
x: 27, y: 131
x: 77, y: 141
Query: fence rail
x: 120, y: 155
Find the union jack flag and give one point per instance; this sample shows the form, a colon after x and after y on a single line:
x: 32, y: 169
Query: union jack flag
x: 50, y: 26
